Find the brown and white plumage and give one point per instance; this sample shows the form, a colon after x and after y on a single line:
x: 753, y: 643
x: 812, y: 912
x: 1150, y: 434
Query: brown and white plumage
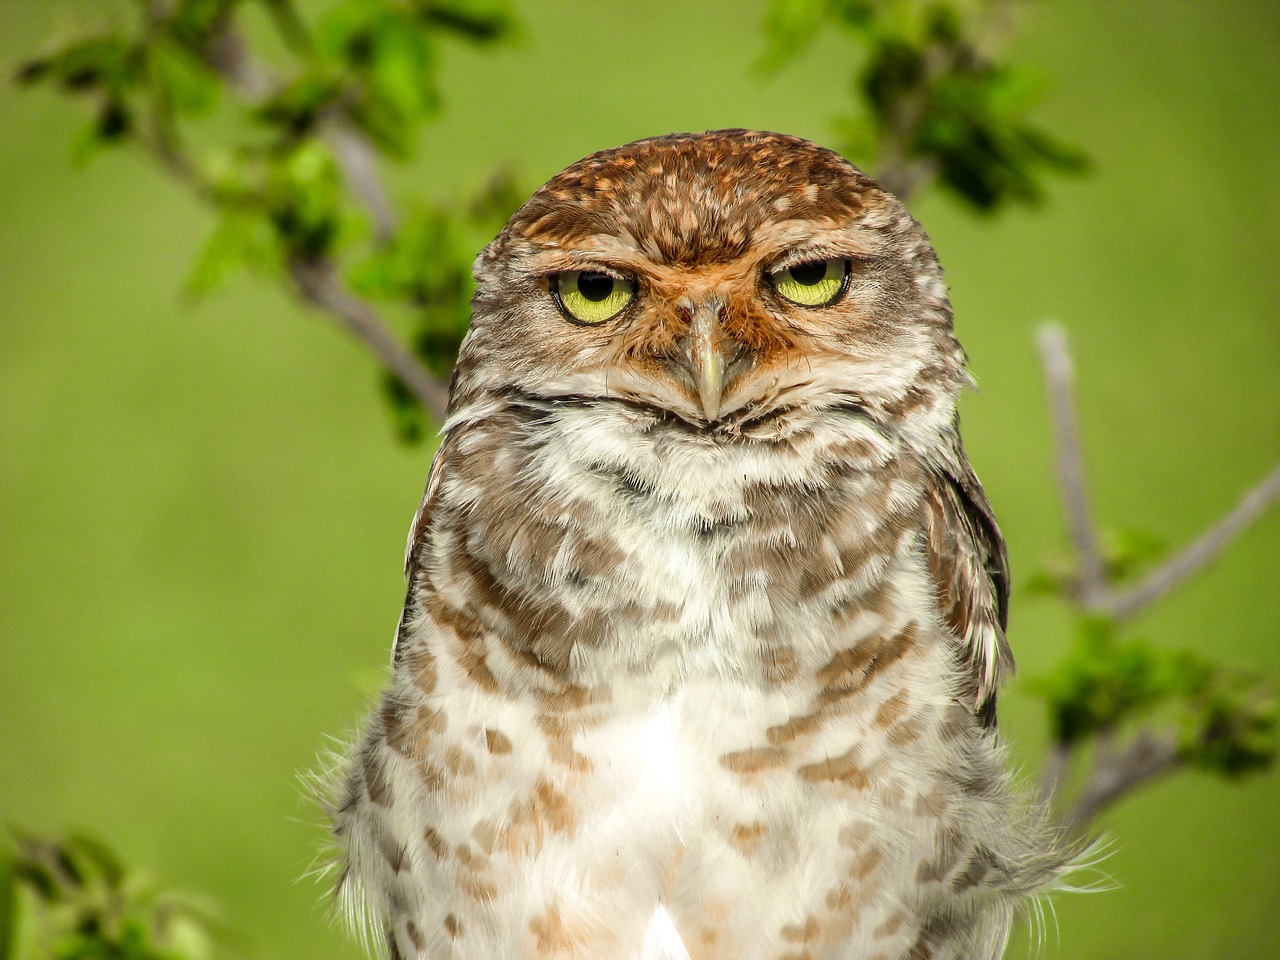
x: 706, y: 607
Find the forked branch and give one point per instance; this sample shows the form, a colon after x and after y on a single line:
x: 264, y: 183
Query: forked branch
x: 1093, y: 592
x: 316, y: 279
x: 1150, y: 752
x: 1113, y: 775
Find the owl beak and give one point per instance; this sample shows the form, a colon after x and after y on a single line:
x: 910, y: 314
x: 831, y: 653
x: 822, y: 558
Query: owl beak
x: 706, y: 356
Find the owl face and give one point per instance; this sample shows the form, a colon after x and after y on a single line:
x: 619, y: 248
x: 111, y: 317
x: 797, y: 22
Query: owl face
x: 726, y: 279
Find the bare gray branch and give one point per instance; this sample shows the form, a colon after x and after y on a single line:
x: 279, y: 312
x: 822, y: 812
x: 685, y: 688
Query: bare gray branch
x: 318, y: 283
x: 317, y: 279
x: 1059, y: 379
x: 1149, y: 755
x: 1197, y: 554
x: 359, y: 164
x: 1056, y: 767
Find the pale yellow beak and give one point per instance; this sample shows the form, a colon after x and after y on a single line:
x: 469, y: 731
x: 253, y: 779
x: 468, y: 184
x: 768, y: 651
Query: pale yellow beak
x: 706, y: 356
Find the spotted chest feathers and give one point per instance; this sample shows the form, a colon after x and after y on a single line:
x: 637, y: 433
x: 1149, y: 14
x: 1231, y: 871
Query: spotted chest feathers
x: 670, y: 682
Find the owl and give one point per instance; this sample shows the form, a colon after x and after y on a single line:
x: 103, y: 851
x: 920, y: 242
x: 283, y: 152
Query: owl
x: 705, y: 615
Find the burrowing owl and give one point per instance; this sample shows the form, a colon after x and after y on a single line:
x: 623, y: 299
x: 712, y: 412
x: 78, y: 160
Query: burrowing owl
x: 706, y: 605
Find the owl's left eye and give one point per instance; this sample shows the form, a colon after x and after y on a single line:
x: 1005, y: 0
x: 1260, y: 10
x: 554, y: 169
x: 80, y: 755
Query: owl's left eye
x: 817, y: 283
x: 586, y: 296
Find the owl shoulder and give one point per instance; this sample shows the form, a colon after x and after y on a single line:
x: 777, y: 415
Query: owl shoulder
x: 969, y: 564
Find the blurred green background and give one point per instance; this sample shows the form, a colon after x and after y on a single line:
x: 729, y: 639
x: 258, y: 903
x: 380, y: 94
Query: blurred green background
x: 202, y: 507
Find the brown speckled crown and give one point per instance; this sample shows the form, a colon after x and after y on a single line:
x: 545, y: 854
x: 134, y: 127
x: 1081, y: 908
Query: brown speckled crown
x: 648, y: 183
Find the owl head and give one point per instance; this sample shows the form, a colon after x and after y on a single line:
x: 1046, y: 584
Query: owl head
x: 737, y: 281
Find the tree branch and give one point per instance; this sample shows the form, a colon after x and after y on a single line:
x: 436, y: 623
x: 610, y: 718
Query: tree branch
x: 1059, y: 379
x: 229, y: 57
x: 317, y: 281
x: 1149, y: 755
x: 1196, y: 555
x: 358, y: 162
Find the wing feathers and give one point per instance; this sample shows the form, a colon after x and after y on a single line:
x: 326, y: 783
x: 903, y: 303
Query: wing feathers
x: 970, y: 568
x: 418, y: 534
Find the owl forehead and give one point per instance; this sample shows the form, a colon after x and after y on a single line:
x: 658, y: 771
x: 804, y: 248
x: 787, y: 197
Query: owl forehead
x: 695, y: 198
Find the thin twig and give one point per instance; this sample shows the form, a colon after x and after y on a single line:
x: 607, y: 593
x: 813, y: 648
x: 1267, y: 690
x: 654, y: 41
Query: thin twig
x: 1059, y: 377
x: 896, y: 169
x: 229, y: 56
x: 358, y: 162
x: 1149, y: 755
x: 1194, y: 556
x: 317, y: 281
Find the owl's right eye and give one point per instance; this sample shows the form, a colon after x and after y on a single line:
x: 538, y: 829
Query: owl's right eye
x: 591, y: 297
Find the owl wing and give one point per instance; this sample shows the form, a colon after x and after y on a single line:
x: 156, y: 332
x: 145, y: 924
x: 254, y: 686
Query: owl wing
x: 970, y: 569
x: 417, y: 534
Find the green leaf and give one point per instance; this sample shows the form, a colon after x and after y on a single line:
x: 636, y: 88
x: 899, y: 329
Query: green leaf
x: 385, y: 54
x: 305, y: 198
x: 1104, y: 682
x: 194, y: 21
x: 181, y: 80
x: 479, y: 22
x: 108, y: 62
x: 8, y: 906
x: 409, y: 420
x: 240, y: 240
x: 1230, y: 726
x: 399, y: 91
x: 1127, y: 552
x: 296, y: 106
x: 84, y: 904
x: 94, y: 860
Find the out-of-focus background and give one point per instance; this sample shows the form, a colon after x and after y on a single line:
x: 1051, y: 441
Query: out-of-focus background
x: 202, y: 506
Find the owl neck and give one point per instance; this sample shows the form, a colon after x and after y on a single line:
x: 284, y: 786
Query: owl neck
x: 595, y: 540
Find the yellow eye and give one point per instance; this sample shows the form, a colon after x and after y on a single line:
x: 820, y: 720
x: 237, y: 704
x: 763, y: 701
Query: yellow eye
x: 818, y: 283
x: 591, y: 297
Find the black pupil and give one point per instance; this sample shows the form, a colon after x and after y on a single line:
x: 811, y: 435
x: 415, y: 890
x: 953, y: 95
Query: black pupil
x: 595, y: 286
x: 809, y: 274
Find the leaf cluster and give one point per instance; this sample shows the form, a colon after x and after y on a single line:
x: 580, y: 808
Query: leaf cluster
x: 71, y: 898
x: 140, y: 81
x: 363, y: 72
x: 1226, y: 721
x: 932, y: 103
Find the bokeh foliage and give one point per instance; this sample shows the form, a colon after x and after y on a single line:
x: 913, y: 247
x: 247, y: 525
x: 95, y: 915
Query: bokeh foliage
x: 932, y: 100
x: 72, y: 898
x: 365, y: 69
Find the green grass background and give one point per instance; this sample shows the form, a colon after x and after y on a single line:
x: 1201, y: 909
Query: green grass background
x: 202, y: 509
